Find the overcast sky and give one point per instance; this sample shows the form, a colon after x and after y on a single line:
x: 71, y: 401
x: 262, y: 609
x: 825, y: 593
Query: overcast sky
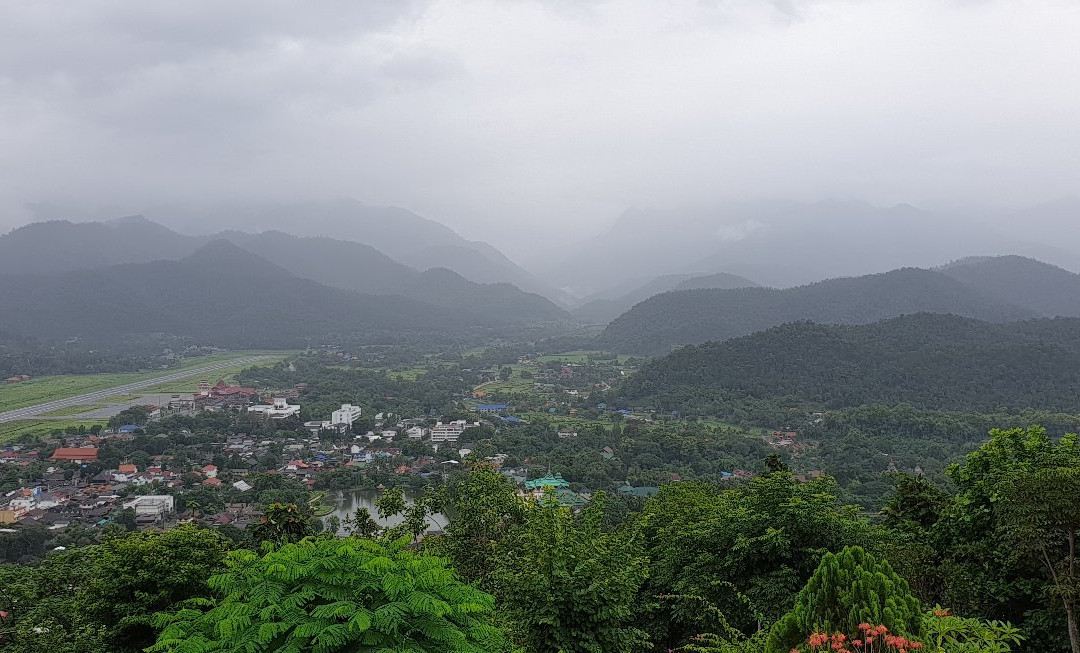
x: 532, y: 121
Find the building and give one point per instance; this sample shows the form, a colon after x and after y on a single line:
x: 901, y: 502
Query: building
x: 280, y: 409
x: 415, y: 432
x: 151, y: 505
x: 345, y: 416
x: 450, y: 431
x: 79, y: 455
x: 485, y: 409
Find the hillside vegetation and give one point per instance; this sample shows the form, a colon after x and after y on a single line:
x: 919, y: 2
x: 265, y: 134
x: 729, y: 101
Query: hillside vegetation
x: 927, y: 360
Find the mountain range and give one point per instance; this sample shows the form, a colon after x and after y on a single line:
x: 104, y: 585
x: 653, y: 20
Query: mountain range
x: 998, y: 289
x: 227, y: 295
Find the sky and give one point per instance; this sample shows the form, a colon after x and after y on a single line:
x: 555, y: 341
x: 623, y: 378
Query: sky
x: 535, y: 122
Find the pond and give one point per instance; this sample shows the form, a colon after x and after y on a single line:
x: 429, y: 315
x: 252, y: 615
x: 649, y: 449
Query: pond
x: 345, y: 503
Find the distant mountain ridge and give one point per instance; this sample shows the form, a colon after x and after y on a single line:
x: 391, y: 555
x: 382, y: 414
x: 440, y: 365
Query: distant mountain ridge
x: 786, y: 243
x: 385, y: 236
x: 693, y: 316
x: 602, y: 310
x: 224, y: 295
x: 64, y: 246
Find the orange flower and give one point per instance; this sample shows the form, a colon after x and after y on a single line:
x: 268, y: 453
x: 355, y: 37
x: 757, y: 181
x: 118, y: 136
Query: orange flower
x: 856, y: 642
x: 839, y: 637
x: 865, y: 627
x: 916, y: 645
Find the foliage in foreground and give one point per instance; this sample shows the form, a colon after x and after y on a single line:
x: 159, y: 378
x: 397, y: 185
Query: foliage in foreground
x: 327, y: 595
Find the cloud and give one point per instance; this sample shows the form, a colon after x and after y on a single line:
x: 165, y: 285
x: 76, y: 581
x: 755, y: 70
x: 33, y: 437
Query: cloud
x: 526, y: 121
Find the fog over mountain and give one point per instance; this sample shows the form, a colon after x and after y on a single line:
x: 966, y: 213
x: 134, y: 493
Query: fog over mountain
x: 534, y: 126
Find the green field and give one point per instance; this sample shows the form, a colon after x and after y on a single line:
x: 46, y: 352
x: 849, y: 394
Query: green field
x: 30, y: 427
x: 48, y: 388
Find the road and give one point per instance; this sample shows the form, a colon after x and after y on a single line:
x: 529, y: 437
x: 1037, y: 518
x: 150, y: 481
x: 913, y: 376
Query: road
x: 31, y: 411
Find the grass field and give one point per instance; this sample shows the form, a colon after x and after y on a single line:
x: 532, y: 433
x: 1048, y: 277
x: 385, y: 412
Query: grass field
x: 48, y: 388
x: 26, y: 428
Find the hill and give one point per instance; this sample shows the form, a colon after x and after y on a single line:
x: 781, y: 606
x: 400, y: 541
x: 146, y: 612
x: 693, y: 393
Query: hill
x: 62, y: 246
x: 493, y: 303
x: 601, y: 310
x: 1040, y: 287
x: 930, y: 361
x: 221, y: 294
x: 692, y: 316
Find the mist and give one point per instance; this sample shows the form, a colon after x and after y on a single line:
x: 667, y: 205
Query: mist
x: 535, y: 125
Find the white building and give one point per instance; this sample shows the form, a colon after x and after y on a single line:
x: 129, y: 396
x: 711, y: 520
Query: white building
x: 415, y: 432
x: 279, y: 410
x: 450, y: 431
x: 345, y: 416
x: 156, y: 505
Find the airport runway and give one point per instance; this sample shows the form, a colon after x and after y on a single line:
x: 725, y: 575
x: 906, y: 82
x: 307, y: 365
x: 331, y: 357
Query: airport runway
x: 32, y: 411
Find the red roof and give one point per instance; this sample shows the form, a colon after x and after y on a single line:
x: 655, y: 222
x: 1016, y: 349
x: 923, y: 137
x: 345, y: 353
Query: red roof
x: 209, y: 468
x: 212, y: 481
x: 127, y: 469
x: 75, y: 453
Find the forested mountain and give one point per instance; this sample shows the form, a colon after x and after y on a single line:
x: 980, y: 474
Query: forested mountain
x: 1046, y: 289
x: 221, y: 294
x: 692, y: 316
x: 601, y: 310
x: 928, y: 360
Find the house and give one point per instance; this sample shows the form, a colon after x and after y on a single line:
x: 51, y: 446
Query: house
x: 415, y: 432
x: 210, y: 471
x: 212, y: 482
x: 79, y: 455
x: 567, y: 433
x: 484, y: 409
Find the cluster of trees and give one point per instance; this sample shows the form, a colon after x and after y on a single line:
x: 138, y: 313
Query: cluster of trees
x: 766, y: 566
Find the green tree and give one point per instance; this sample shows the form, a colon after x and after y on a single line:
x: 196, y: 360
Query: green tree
x: 848, y: 589
x: 1040, y: 515
x: 334, y: 595
x: 746, y: 550
x: 135, y: 576
x: 1006, y: 535
x: 281, y: 523
x: 569, y: 586
x: 487, y: 513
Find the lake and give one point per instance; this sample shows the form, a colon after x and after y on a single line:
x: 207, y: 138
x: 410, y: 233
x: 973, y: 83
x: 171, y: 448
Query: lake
x: 345, y: 504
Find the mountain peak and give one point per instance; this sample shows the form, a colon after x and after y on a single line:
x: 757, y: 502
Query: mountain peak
x: 223, y: 257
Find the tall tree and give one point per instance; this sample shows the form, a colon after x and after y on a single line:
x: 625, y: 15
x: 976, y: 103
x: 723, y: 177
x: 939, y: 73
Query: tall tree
x: 847, y: 590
